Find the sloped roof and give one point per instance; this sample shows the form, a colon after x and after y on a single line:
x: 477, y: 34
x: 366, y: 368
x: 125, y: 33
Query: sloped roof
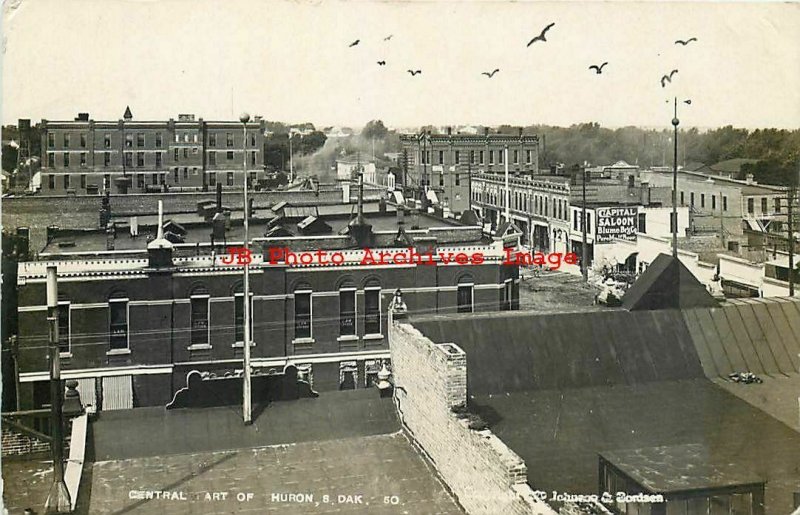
x: 732, y: 165
x: 667, y: 284
x: 128, y: 115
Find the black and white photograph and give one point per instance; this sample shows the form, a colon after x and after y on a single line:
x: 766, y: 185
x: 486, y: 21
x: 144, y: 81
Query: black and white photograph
x: 412, y: 257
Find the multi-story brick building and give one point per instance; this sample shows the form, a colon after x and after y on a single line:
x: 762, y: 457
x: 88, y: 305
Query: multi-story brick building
x: 135, y: 320
x: 445, y: 163
x: 86, y: 156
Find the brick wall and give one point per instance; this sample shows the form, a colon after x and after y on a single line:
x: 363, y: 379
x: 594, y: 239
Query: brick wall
x: 15, y: 443
x: 484, y: 474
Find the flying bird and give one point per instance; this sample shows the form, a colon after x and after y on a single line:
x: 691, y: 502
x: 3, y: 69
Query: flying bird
x: 382, y: 63
x: 667, y: 78
x: 598, y: 69
x: 541, y: 37
x: 490, y: 75
x: 684, y: 43
x: 387, y: 38
x: 354, y: 43
x: 688, y: 101
x: 414, y: 72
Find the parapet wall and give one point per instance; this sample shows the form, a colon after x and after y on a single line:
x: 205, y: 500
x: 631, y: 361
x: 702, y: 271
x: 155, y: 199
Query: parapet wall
x: 483, y: 473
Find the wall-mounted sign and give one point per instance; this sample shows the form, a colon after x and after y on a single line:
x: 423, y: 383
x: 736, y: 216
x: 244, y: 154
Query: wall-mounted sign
x: 616, y: 222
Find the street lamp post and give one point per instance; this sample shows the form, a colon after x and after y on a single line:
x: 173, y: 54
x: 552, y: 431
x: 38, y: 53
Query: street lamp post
x: 247, y: 407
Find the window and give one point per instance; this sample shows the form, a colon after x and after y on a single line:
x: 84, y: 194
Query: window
x: 702, y: 200
x: 64, y: 311
x: 673, y: 223
x: 441, y: 157
x: 691, y: 199
x: 347, y: 312
x: 83, y: 158
x: 750, y: 205
x: 175, y: 176
x: 106, y: 158
x: 777, y: 205
x: 199, y: 300
x: 177, y: 154
x: 51, y: 159
x: 140, y: 139
x: 456, y: 157
x: 252, y: 158
x: 107, y: 141
x: 642, y: 223
x: 441, y: 179
x: 159, y: 141
x: 66, y: 140
x: 713, y: 202
x: 480, y: 157
x: 140, y: 159
x: 589, y: 223
x: 66, y: 159
x: 458, y: 180
x: 177, y: 138
x: 372, y: 310
x: 229, y: 154
x: 66, y: 181
x: 51, y: 140
x: 682, y: 202
x: 51, y: 182
x: 302, y: 314
x: 83, y: 140
x: 252, y: 140
x: 229, y: 140
x: 185, y: 172
x: 194, y: 137
x: 500, y: 156
x: 472, y: 157
x: 491, y: 157
x: 118, y: 322
x: 185, y: 152
x: 212, y: 158
x: 724, y: 203
x: 154, y: 179
x: 140, y: 180
x: 516, y: 157
x: 508, y: 289
x: 83, y: 181
x: 212, y: 179
x: 128, y: 159
x: 129, y: 141
x: 238, y: 315
x: 230, y: 178
x: 251, y: 178
x: 464, y: 297
x: 212, y: 140
x: 528, y: 156
x: 348, y: 375
x: 764, y: 205
x: 186, y: 137
x: 158, y: 159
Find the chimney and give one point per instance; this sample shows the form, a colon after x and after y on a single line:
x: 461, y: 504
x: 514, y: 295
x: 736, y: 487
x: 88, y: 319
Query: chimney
x: 749, y: 178
x: 520, y: 132
x: 449, y: 131
x: 159, y: 251
x: 219, y: 197
x: 486, y: 131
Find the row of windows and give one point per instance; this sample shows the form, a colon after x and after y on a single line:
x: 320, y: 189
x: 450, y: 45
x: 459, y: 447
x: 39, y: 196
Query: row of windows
x: 140, y: 157
x: 140, y: 139
x: 303, y: 315
x: 426, y: 157
x: 713, y: 204
x: 537, y: 204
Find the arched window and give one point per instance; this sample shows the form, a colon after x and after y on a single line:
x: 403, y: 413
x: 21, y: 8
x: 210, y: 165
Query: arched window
x: 199, y: 299
x: 347, y: 308
x: 118, y: 321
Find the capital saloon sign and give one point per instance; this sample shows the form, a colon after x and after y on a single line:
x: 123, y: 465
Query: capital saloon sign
x: 616, y: 222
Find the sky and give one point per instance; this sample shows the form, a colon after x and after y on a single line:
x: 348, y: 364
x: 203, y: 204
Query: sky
x: 291, y: 61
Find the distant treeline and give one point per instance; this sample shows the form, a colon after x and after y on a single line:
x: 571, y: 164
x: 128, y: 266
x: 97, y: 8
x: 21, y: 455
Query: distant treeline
x: 777, y: 151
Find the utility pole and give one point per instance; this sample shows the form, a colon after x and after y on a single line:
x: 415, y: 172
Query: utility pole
x: 791, y: 238
x: 675, y: 123
x: 585, y: 247
x: 291, y: 158
x: 247, y: 407
x: 507, y: 192
x: 58, y: 500
x: 721, y: 221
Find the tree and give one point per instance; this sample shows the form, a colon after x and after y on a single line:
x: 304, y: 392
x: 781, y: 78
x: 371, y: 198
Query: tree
x: 374, y: 130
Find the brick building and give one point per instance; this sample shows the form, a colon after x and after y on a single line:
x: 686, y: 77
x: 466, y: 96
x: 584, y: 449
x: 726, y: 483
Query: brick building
x: 444, y: 163
x: 86, y: 156
x: 134, y: 322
